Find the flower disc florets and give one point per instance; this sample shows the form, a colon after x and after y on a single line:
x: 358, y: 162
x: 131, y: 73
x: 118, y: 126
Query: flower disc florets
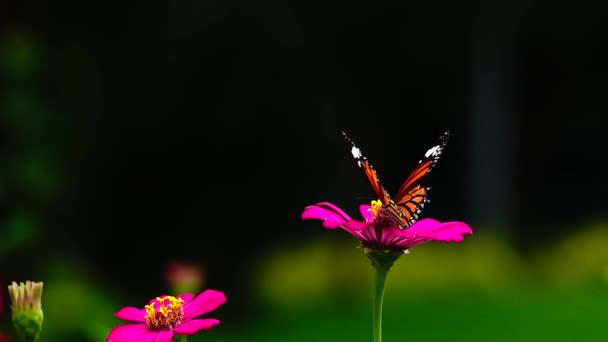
x: 164, y: 312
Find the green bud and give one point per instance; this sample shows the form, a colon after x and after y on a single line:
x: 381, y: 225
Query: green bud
x: 26, y: 305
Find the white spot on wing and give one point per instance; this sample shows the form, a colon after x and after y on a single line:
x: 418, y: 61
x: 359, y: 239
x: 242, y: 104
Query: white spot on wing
x: 356, y: 152
x: 433, y: 151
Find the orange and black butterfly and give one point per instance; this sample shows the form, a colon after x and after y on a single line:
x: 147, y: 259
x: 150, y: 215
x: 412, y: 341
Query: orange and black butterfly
x: 411, y: 197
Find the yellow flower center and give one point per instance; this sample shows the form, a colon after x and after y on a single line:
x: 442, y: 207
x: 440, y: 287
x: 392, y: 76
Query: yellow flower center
x: 165, y: 312
x: 376, y: 206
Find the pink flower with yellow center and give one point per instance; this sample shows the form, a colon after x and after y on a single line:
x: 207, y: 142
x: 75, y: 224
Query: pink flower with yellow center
x: 166, y: 316
x: 378, y: 232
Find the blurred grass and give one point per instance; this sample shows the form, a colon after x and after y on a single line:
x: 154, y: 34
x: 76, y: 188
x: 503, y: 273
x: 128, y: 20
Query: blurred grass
x: 530, y: 316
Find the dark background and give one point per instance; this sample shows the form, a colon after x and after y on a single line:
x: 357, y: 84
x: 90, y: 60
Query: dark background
x: 136, y: 133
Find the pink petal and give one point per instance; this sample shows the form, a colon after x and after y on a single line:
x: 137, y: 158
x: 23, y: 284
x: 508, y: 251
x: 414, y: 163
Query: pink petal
x: 366, y: 213
x: 332, y: 216
x: 424, y: 225
x: 132, y: 333
x: 164, y: 336
x: 434, y: 230
x: 450, y: 233
x: 203, y: 303
x: 186, y: 297
x: 131, y: 314
x: 195, y: 325
x: 390, y: 236
x: 354, y: 225
x: 334, y: 208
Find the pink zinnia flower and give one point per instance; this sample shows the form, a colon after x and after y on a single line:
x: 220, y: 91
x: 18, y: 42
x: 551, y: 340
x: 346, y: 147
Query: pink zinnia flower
x: 167, y: 315
x: 379, y: 232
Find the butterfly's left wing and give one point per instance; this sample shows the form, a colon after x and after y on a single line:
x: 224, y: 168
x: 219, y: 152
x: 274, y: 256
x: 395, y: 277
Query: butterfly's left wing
x: 369, y: 171
x: 411, y: 195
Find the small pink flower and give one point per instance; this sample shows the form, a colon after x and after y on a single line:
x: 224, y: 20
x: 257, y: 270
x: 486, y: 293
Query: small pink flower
x: 167, y: 315
x: 376, y: 231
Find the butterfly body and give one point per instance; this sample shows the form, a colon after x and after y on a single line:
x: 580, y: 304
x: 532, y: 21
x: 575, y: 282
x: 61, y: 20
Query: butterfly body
x: 404, y: 207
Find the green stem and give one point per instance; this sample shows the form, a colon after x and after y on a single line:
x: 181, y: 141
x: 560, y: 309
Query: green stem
x: 382, y: 261
x: 380, y: 275
x: 179, y: 338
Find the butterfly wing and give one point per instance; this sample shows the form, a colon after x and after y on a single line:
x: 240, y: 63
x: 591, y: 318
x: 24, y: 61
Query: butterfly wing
x: 369, y: 171
x: 411, y: 197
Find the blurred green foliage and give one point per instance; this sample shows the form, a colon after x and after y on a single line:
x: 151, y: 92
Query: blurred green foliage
x: 478, y: 290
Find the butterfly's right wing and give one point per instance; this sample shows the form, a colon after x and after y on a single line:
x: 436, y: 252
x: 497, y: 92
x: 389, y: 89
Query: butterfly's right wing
x: 411, y: 196
x: 425, y: 165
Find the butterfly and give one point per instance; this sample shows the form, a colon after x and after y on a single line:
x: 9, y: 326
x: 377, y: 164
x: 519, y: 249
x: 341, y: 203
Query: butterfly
x: 404, y: 208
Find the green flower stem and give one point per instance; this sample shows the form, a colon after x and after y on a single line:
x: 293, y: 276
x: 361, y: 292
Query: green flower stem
x: 380, y: 275
x: 179, y: 338
x: 382, y: 261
